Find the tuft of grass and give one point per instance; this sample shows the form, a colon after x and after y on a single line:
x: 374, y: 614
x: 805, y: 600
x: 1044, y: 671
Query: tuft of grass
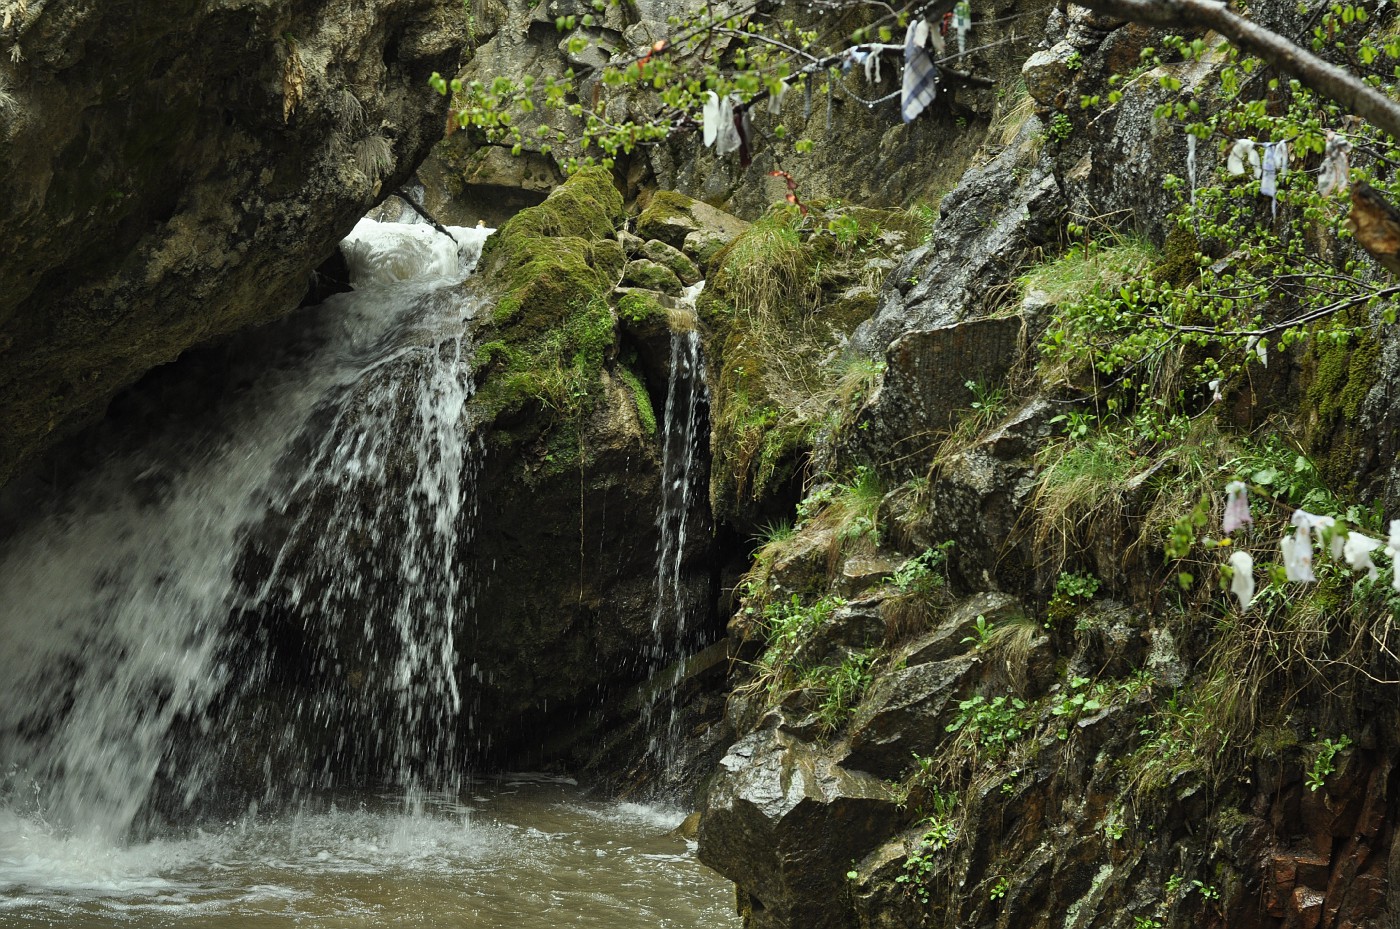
x: 1012, y: 112
x: 374, y: 156
x: 1080, y: 491
x: 1086, y: 269
x: 766, y: 267
x: 1011, y: 641
x: 349, y: 110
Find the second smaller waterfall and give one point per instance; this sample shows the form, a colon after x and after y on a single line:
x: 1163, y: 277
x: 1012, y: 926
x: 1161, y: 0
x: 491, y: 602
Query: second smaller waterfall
x: 682, y: 487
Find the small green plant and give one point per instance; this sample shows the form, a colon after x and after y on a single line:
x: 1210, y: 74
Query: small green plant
x: 1059, y: 128
x: 842, y: 688
x: 940, y: 832
x: 785, y: 625
x: 1074, y: 61
x: 923, y: 573
x: 988, y: 403
x: 1077, y: 423
x: 1325, y: 761
x: 999, y: 888
x: 1072, y: 591
x: 981, y: 636
x: 1077, y: 702
x: 994, y: 724
x: 1076, y: 586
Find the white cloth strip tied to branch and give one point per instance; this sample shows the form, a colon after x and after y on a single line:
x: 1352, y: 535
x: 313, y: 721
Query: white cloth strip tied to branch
x: 1244, y: 155
x: 962, y: 24
x: 775, y: 99
x: 1242, y: 583
x: 1332, y: 177
x: 1191, y: 164
x: 709, y: 115
x: 1392, y: 549
x: 1274, y: 169
x: 872, y: 67
x: 1236, y: 507
x: 1297, y: 551
x: 1357, y: 551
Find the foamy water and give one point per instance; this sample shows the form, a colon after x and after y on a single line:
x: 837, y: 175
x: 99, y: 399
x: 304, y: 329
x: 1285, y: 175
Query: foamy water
x: 525, y: 854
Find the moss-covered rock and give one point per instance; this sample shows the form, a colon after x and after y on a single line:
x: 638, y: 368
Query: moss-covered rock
x: 552, y: 256
x: 552, y: 266
x: 643, y: 272
x: 672, y: 258
x: 671, y: 217
x: 1338, y: 378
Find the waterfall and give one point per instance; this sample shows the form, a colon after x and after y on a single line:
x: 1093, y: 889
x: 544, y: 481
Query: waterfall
x: 322, y: 504
x: 673, y: 621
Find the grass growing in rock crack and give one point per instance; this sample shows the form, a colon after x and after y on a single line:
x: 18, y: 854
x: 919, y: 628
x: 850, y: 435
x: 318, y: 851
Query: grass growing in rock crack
x: 921, y: 582
x: 840, y: 688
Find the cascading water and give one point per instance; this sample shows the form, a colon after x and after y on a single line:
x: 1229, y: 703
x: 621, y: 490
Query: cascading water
x: 115, y: 603
x: 682, y: 484
x: 263, y: 603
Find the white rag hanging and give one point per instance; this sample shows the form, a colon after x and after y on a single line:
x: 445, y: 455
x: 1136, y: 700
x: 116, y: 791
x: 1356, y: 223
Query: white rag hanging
x: 872, y: 66
x: 710, y: 115
x: 727, y: 136
x: 920, y: 85
x: 775, y: 99
x: 1332, y: 177
x: 1191, y: 164
x: 1244, y: 154
x: 940, y: 44
x: 1274, y: 169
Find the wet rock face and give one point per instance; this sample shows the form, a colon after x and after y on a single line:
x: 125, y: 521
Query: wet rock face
x: 987, y: 227
x: 924, y: 389
x: 174, y: 173
x: 786, y: 819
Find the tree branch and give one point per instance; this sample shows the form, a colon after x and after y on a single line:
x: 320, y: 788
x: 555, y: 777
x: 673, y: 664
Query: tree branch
x: 1326, y: 79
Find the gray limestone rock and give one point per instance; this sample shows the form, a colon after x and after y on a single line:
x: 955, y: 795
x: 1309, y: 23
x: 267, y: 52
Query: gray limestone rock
x: 168, y: 191
x: 924, y: 389
x: 784, y: 822
x: 987, y: 227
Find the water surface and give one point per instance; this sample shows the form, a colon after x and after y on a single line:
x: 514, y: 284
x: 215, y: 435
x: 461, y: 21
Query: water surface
x: 527, y: 853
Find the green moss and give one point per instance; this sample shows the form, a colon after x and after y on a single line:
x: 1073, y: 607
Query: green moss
x: 639, y: 306
x: 607, y: 258
x: 1180, y: 263
x: 552, y: 330
x: 548, y: 256
x: 673, y: 259
x: 645, y: 412
x: 666, y: 212
x: 1341, y: 375
x: 651, y: 276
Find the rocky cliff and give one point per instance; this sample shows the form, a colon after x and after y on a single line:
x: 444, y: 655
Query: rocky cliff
x: 176, y: 172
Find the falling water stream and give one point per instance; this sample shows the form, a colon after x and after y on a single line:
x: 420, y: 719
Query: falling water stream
x: 682, y: 482
x: 340, y: 472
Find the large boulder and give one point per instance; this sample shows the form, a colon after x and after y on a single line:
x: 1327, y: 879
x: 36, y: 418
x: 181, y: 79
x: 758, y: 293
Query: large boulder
x: 174, y: 175
x: 785, y: 822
